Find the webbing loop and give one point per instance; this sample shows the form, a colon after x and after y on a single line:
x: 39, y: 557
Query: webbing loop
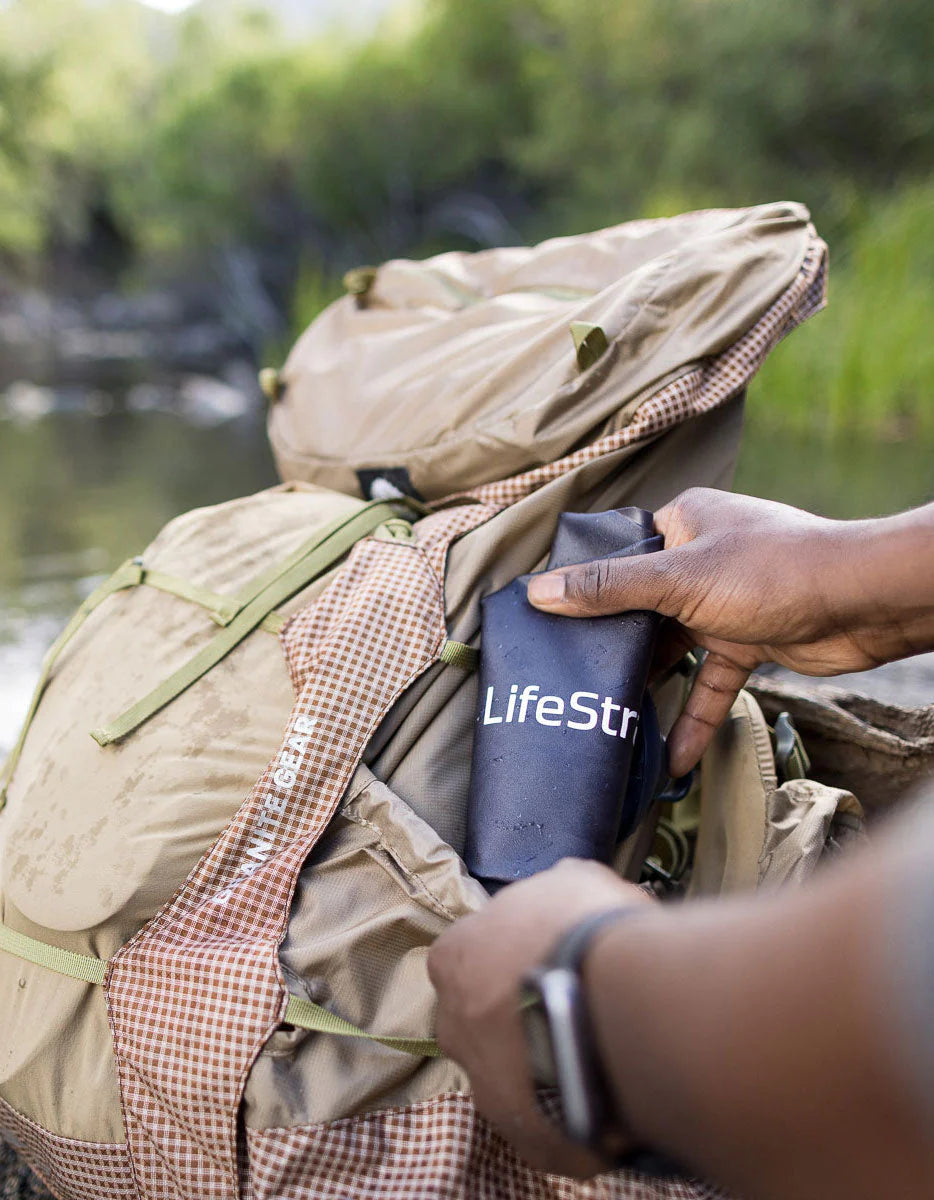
x: 459, y: 654
x: 304, y: 1014
x: 590, y: 343
x: 222, y: 609
x: 316, y: 557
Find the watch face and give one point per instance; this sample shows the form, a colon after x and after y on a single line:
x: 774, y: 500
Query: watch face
x: 558, y: 1044
x: 538, y: 1038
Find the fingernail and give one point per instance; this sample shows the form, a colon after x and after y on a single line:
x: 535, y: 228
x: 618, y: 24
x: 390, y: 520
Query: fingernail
x: 546, y: 589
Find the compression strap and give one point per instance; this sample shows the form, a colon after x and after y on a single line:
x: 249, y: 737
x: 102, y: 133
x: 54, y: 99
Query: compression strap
x: 313, y: 559
x: 304, y: 1014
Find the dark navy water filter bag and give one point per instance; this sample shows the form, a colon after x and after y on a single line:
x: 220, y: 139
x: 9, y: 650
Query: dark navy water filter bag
x: 562, y: 702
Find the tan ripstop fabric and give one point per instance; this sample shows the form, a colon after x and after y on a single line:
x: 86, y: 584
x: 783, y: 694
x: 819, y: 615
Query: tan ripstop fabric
x: 461, y: 369
x: 193, y: 999
x: 752, y: 832
x: 196, y: 997
x: 92, y: 841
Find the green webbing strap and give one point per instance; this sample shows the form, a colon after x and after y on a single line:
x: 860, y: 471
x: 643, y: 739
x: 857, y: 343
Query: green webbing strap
x: 459, y: 655
x: 256, y: 586
x: 299, y: 1011
x: 319, y: 555
x: 308, y: 1015
x: 223, y: 609
x: 53, y: 958
x: 127, y: 575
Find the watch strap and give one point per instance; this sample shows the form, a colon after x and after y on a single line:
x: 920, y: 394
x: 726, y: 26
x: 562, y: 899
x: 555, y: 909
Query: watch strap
x: 569, y: 954
x: 573, y: 945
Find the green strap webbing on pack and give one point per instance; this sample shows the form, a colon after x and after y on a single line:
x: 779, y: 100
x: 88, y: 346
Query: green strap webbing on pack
x: 458, y: 654
x: 274, y: 623
x: 299, y: 1011
x: 127, y: 575
x: 256, y: 587
x: 308, y: 1015
x: 222, y: 609
x: 53, y: 958
x: 320, y: 554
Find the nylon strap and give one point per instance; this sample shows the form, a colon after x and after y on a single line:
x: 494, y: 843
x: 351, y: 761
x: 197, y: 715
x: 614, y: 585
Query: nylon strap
x: 308, y: 1015
x: 458, y: 654
x: 53, y: 958
x: 222, y: 608
x: 314, y: 558
x: 127, y: 575
x: 250, y: 591
x: 300, y: 1012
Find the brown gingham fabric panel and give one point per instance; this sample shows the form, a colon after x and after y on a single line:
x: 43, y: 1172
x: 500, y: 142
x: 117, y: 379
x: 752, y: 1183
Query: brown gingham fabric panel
x: 437, y: 1150
x: 196, y: 994
x: 697, y: 391
x: 70, y: 1169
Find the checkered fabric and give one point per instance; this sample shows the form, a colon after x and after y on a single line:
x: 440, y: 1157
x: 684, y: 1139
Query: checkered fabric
x: 195, y: 995
x: 69, y: 1168
x: 437, y: 1150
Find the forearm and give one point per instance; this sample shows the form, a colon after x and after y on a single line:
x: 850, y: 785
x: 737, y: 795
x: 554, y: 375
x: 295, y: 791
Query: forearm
x: 752, y: 1039
x: 885, y: 583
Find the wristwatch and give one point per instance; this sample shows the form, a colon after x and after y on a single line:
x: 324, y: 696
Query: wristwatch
x: 564, y: 1053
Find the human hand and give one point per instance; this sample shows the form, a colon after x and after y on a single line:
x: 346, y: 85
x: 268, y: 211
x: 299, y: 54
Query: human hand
x: 749, y: 581
x: 477, y: 967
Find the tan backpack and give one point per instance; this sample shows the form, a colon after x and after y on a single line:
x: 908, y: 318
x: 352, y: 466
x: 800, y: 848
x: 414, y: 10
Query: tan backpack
x: 234, y: 820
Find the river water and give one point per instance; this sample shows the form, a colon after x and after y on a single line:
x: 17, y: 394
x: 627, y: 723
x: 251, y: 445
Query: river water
x: 90, y: 482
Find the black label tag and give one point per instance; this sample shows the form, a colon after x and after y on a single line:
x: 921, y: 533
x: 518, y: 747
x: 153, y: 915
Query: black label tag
x: 382, y: 483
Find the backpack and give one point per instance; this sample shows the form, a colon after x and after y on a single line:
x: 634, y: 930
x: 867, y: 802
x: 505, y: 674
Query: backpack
x: 235, y: 818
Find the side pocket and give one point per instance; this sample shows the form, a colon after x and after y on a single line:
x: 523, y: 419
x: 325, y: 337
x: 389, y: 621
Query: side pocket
x: 379, y: 888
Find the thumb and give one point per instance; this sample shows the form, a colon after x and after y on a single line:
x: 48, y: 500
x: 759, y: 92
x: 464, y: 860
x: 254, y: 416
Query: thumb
x: 659, y: 582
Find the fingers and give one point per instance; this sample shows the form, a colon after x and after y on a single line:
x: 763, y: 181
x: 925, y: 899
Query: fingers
x: 715, y: 687
x: 612, y: 585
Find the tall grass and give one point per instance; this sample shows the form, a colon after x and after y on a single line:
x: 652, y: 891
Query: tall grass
x: 866, y: 365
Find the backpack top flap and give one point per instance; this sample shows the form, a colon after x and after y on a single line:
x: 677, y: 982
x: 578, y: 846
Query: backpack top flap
x: 466, y: 368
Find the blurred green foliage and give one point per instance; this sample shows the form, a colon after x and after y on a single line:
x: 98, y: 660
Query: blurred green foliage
x: 214, y: 130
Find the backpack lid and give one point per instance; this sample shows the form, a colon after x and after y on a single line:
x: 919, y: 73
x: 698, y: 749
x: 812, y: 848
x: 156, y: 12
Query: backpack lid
x: 437, y: 376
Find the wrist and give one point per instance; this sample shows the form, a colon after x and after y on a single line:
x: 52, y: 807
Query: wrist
x: 887, y: 577
x: 623, y: 1036
x: 560, y: 1037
